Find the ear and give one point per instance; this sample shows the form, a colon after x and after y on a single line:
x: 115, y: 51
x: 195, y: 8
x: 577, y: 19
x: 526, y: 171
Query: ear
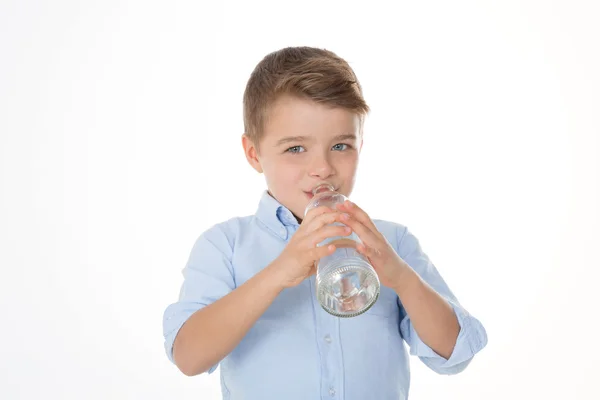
x: 360, y: 145
x: 251, y: 153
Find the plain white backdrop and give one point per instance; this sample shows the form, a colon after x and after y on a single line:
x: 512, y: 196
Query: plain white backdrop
x: 120, y: 125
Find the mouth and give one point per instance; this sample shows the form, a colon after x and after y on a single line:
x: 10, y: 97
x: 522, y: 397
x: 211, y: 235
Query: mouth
x: 310, y: 194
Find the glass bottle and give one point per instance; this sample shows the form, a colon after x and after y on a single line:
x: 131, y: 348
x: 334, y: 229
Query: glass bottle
x: 347, y: 284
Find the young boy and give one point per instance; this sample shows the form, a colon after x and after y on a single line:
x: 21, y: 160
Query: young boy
x: 248, y: 298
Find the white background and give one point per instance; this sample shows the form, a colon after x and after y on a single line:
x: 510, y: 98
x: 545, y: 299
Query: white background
x: 120, y: 126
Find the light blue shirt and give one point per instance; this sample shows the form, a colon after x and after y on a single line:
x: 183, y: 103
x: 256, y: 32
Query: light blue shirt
x: 296, y: 350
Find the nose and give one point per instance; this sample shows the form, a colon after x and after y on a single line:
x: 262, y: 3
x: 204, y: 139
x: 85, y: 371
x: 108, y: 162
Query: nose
x: 321, y: 167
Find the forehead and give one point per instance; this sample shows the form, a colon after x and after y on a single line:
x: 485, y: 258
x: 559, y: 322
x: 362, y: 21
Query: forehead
x: 294, y: 116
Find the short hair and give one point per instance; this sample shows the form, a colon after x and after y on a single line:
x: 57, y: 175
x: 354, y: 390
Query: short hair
x: 305, y: 72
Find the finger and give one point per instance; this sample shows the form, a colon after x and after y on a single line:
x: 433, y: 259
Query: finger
x: 316, y: 253
x: 326, y: 232
x: 321, y: 220
x: 364, y: 233
x: 367, y: 251
x: 358, y: 213
x: 314, y: 213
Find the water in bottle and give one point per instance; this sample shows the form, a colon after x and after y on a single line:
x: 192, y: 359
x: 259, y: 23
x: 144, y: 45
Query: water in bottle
x: 347, y: 284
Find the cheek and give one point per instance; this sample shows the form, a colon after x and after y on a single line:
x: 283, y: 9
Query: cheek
x: 347, y: 170
x: 348, y: 164
x: 282, y: 173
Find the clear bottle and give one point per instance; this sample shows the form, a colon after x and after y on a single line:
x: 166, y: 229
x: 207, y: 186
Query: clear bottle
x: 347, y: 284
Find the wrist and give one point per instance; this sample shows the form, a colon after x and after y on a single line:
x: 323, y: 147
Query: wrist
x: 407, y: 280
x: 273, y: 278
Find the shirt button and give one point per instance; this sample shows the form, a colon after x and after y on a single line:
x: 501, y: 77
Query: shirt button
x: 327, y: 338
x: 331, y: 392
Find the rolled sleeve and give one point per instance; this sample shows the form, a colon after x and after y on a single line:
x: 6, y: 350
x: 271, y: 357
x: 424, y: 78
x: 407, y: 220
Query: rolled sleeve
x: 471, y: 339
x: 208, y: 276
x: 472, y: 336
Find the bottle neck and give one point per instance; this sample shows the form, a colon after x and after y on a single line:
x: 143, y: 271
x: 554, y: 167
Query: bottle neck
x: 322, y: 188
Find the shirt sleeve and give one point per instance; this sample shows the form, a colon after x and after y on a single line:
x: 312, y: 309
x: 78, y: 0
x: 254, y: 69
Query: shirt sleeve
x: 472, y: 335
x: 208, y: 276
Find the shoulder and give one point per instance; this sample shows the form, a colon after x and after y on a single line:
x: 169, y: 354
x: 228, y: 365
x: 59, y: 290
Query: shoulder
x: 224, y: 234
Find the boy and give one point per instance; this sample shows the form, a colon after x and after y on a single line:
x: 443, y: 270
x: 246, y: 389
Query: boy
x: 248, y: 298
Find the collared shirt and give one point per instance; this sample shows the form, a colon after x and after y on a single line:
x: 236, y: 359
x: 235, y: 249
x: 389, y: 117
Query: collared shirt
x: 296, y: 350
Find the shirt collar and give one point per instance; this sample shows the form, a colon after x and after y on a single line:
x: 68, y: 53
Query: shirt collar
x: 274, y: 215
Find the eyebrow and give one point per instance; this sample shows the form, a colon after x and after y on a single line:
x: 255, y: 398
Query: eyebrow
x: 288, y: 139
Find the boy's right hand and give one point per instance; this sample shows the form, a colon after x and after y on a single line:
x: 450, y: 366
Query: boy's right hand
x: 297, y: 261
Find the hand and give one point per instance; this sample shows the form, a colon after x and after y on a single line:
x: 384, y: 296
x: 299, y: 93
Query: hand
x: 297, y: 261
x: 390, y: 267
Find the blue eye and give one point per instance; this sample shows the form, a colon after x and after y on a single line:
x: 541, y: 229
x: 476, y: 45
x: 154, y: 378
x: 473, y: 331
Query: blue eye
x: 340, y: 147
x: 295, y: 150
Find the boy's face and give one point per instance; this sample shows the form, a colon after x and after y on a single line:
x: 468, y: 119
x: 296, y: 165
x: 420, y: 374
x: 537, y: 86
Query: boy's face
x: 305, y: 144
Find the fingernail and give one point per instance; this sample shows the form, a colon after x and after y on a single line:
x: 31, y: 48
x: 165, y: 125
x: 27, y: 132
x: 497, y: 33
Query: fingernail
x: 350, y: 204
x: 345, y: 216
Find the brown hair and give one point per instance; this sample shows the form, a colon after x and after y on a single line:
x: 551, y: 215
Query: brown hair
x: 307, y: 72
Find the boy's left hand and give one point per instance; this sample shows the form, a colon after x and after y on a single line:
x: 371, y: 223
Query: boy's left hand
x: 390, y: 267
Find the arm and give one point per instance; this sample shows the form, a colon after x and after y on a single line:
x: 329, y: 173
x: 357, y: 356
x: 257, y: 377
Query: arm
x: 436, y: 328
x: 431, y: 315
x: 213, y: 331
x: 429, y: 329
x: 213, y: 315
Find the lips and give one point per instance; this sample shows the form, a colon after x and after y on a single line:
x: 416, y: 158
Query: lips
x: 310, y: 195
